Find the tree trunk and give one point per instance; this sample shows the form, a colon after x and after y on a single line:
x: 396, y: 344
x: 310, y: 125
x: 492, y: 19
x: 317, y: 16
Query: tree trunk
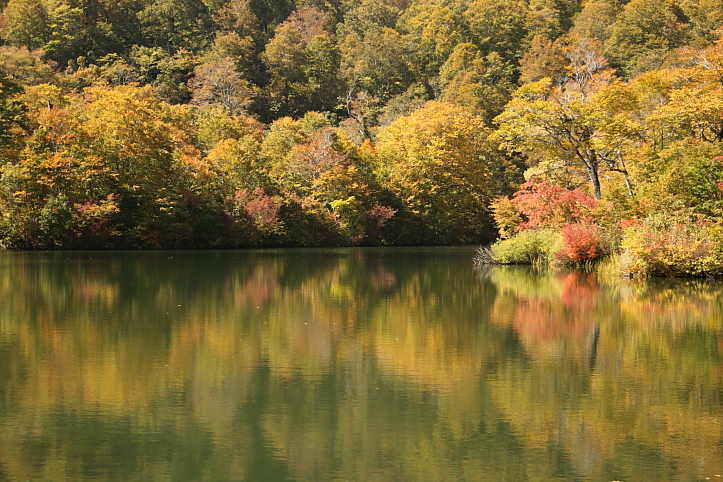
x: 592, y: 171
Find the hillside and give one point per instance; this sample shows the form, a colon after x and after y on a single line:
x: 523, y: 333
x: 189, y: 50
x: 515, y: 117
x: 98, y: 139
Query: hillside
x: 136, y: 124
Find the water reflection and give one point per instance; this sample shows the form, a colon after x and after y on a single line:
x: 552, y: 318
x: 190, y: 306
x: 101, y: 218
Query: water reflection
x: 351, y: 364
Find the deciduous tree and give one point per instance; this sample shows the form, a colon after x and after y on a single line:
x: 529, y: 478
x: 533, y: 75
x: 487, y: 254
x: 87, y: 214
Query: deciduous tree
x: 438, y: 162
x: 553, y: 123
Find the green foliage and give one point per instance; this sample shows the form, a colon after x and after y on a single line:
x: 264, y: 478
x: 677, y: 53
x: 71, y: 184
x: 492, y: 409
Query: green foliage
x: 376, y: 62
x: 303, y: 63
x: 498, y: 26
x: 176, y: 24
x: 532, y: 246
x: 644, y: 33
x: 55, y: 222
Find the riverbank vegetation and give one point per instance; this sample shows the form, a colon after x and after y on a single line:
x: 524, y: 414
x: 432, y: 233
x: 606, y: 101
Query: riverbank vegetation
x: 574, y: 130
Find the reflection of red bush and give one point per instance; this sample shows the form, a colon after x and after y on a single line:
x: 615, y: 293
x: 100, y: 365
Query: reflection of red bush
x: 579, y: 291
x: 545, y: 320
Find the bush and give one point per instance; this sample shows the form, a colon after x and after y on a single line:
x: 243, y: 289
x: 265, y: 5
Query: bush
x: 672, y: 245
x: 580, y: 243
x: 527, y: 247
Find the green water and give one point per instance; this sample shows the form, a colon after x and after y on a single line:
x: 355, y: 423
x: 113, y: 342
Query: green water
x: 358, y: 364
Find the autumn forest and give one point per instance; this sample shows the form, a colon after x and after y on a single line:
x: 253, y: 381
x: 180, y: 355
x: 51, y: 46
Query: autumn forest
x: 567, y: 131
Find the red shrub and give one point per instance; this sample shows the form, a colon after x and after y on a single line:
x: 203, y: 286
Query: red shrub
x: 263, y: 210
x: 379, y: 215
x: 580, y: 243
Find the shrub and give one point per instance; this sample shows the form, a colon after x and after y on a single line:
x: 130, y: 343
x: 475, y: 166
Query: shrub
x: 257, y: 216
x: 376, y: 218
x: 527, y: 247
x: 349, y: 217
x: 95, y: 222
x: 672, y: 245
x: 580, y: 243
x: 56, y: 220
x: 506, y: 216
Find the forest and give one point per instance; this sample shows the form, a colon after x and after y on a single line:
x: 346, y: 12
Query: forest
x: 568, y: 131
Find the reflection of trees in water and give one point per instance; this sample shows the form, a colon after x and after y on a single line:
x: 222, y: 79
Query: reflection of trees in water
x: 316, y: 362
x: 620, y: 364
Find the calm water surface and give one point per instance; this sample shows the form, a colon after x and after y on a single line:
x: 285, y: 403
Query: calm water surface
x: 358, y: 364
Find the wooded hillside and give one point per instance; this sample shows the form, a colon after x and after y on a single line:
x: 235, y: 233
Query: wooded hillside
x: 221, y: 123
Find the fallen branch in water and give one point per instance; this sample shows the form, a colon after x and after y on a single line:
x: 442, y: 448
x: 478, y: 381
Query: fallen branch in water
x: 484, y: 256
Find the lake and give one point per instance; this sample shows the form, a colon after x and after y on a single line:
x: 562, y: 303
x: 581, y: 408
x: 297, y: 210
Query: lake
x: 352, y: 364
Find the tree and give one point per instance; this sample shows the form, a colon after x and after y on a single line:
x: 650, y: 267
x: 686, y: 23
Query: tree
x: 12, y: 112
x: 643, y: 33
x: 26, y: 67
x: 176, y: 24
x: 243, y: 52
x: 594, y: 20
x: 217, y: 82
x: 545, y: 58
x: 554, y: 124
x: 369, y: 15
x: 433, y: 32
x: 25, y: 24
x: 303, y: 61
x: 77, y: 33
x: 439, y: 164
x: 481, y: 84
x: 238, y: 165
x: 376, y: 63
x: 498, y: 26
x: 238, y: 17
x: 693, y: 106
